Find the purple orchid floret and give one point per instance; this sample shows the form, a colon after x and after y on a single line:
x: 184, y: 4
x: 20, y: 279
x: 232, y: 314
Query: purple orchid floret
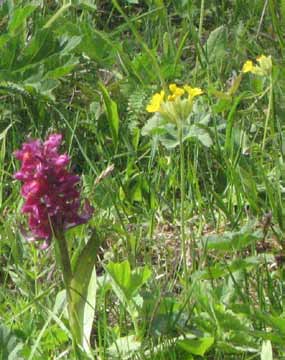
x: 52, y: 198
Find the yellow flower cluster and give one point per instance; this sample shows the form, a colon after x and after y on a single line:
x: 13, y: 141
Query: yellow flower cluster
x: 263, y: 68
x: 176, y: 92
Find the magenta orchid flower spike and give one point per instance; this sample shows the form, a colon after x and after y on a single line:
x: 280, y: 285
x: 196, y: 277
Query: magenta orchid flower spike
x: 52, y: 198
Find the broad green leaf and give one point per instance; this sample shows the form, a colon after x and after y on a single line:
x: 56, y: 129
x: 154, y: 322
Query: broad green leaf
x: 222, y: 105
x: 69, y: 44
x: 278, y: 322
x: 230, y: 241
x: 170, y: 138
x: 41, y: 45
x: 124, y: 347
x: 275, y: 322
x: 154, y: 125
x: 128, y: 282
x: 3, y: 40
x: 196, y: 346
x: 60, y: 302
x: 137, y: 192
x: 112, y: 113
x: 10, y: 345
x: 83, y: 286
x: 121, y: 274
x: 95, y: 44
x: 19, y: 16
x: 216, y: 44
x: 200, y: 133
x: 89, y: 311
x: 43, y: 88
x: 9, y: 54
x: 61, y: 71
x: 84, y: 265
x: 266, y: 351
x: 230, y: 348
x: 168, y: 133
x: 219, y: 270
x: 139, y: 277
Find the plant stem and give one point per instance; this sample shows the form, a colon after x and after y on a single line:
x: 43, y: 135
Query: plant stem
x: 201, y: 20
x: 64, y: 260
x: 57, y: 15
x: 182, y: 198
x: 67, y: 278
x: 270, y: 100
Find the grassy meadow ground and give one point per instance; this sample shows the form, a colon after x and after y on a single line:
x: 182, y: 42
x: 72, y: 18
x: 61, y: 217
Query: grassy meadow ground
x: 190, y: 224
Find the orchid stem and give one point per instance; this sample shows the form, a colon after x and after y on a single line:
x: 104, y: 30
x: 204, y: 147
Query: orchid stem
x: 67, y: 278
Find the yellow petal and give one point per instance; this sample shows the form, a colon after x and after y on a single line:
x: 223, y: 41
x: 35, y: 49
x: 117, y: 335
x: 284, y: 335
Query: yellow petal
x: 247, y: 66
x: 171, y: 97
x: 172, y: 88
x: 155, y: 102
x: 192, y: 92
x: 175, y: 92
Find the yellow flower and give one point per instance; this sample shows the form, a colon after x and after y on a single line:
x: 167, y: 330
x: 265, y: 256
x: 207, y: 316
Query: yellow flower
x: 192, y: 92
x: 155, y: 103
x: 261, y: 58
x: 175, y: 92
x: 265, y: 64
x: 263, y: 68
x: 247, y: 66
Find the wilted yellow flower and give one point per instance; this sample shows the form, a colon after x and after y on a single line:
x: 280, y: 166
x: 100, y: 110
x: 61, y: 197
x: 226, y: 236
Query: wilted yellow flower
x: 192, y: 92
x: 175, y: 92
x: 156, y: 102
x: 247, y: 66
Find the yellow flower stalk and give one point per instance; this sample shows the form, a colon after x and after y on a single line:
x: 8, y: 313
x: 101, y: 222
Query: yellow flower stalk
x: 155, y: 103
x: 175, y: 110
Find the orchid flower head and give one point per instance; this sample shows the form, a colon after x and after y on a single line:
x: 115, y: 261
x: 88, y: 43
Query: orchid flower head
x: 50, y: 191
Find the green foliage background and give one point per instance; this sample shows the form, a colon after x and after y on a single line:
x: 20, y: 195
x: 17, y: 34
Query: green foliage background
x: 87, y: 69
